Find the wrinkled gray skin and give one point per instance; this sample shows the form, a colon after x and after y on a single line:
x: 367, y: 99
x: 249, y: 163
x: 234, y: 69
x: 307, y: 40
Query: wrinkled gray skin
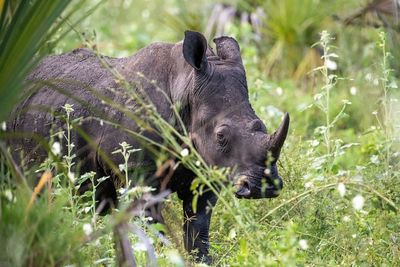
x: 212, y: 90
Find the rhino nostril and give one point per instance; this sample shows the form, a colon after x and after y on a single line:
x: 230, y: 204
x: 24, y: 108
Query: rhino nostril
x: 244, y: 189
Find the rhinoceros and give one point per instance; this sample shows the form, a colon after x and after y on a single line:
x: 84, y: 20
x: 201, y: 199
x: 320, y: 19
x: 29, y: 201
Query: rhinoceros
x: 212, y: 93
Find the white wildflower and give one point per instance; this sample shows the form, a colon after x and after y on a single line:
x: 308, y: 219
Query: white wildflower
x: 232, y: 233
x: 364, y: 212
x: 174, y: 258
x: 375, y: 113
x: 376, y: 82
x: 279, y: 91
x: 308, y: 185
x: 358, y: 202
x: 358, y: 178
x: 393, y: 85
x: 122, y: 191
x: 4, y: 126
x: 375, y: 159
x: 303, y: 244
x: 121, y: 167
x: 360, y: 168
x: 87, y: 228
x: 353, y: 90
x: 139, y: 247
x: 101, y: 122
x: 346, y: 218
x: 353, y: 235
x: 330, y: 64
x: 342, y: 189
x: 314, y: 143
x: 185, y: 152
x: 71, y: 177
x: 267, y: 171
x: 87, y: 209
x: 368, y: 77
x: 8, y: 195
x: 346, y: 102
x: 198, y: 163
x: 56, y: 148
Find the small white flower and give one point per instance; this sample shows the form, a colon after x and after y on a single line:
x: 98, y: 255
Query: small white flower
x: 342, y: 189
x: 368, y: 77
x: 56, y: 148
x: 174, y: 258
x: 353, y: 90
x: 279, y: 91
x: 121, y: 167
x: 360, y: 168
x: 375, y: 113
x: 232, y: 233
x: 330, y: 64
x: 185, y: 152
x: 101, y: 122
x: 346, y: 218
x: 71, y: 177
x: 375, y: 159
x: 358, y: 202
x: 393, y: 85
x: 353, y: 235
x: 198, y: 163
x: 308, y: 185
x: 314, y: 143
x: 87, y: 209
x: 4, y: 126
x: 358, y: 178
x: 303, y: 244
x: 267, y: 171
x: 139, y: 247
x: 8, y: 194
x: 87, y: 228
x: 376, y: 82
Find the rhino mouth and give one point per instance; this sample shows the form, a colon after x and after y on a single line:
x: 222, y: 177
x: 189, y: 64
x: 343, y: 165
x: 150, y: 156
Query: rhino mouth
x: 248, y: 188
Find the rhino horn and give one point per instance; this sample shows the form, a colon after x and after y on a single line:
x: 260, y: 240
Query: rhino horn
x: 228, y: 49
x: 275, y: 141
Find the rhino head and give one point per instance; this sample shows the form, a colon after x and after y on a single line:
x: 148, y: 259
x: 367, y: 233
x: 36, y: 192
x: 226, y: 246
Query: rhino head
x: 224, y: 127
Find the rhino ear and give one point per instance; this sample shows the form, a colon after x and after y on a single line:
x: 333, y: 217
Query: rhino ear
x: 228, y: 49
x: 194, y: 49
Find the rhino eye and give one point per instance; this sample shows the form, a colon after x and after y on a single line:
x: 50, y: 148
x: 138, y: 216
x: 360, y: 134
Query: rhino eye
x: 222, y: 136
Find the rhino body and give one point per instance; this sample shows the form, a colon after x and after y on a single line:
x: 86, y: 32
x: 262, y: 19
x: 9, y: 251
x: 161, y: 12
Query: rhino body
x: 211, y: 89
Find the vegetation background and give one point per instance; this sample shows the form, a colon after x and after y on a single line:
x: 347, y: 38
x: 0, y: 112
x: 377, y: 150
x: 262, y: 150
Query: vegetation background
x: 333, y: 65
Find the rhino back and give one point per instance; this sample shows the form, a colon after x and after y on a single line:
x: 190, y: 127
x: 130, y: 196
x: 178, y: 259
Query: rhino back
x: 81, y: 79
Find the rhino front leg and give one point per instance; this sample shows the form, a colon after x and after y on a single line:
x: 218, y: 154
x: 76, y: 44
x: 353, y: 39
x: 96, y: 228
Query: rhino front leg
x: 196, y: 225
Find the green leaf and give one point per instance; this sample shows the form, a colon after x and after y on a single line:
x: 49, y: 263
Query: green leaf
x: 194, y: 202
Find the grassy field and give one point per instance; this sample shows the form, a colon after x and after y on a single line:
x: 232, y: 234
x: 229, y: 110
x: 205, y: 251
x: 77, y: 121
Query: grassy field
x: 340, y: 164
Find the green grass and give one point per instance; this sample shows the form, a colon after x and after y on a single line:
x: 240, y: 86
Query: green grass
x: 313, y: 222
